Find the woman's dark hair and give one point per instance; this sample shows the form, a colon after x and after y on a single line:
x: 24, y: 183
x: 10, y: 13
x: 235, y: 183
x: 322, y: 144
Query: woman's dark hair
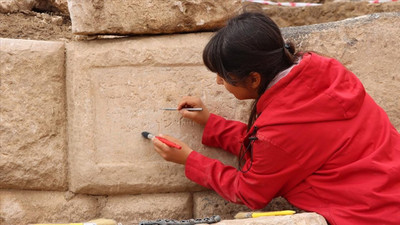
x: 250, y: 42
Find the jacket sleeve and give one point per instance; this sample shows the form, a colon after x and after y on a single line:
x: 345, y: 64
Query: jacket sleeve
x: 272, y: 173
x: 225, y: 134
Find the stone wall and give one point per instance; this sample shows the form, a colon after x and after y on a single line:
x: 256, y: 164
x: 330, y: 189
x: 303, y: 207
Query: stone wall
x: 72, y: 113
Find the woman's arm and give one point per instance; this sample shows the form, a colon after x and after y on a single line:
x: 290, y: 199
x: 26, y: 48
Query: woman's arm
x: 225, y: 134
x: 273, y: 173
x: 199, y: 117
x: 218, y: 132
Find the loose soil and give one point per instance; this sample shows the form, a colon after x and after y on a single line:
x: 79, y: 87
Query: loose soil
x: 35, y: 26
x: 50, y: 26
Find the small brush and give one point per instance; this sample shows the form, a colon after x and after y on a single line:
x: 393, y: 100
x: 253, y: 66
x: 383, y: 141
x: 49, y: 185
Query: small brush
x: 150, y: 136
x: 243, y: 215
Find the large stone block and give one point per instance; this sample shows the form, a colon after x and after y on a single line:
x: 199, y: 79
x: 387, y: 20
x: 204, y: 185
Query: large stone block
x: 296, y: 219
x: 149, y: 17
x: 32, y: 115
x: 133, y: 209
x: 115, y: 91
x: 25, y: 207
x: 368, y: 46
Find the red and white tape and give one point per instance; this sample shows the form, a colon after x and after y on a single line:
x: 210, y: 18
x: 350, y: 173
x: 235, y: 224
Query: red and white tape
x: 382, y: 1
x: 292, y: 4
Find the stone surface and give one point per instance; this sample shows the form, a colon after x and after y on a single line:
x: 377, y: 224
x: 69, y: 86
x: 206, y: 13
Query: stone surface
x: 209, y: 203
x: 133, y: 209
x: 296, y: 219
x: 32, y: 115
x: 149, y: 17
x: 367, y: 45
x: 24, y: 207
x: 115, y: 90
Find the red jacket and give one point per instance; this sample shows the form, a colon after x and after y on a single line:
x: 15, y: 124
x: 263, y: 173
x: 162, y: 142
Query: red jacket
x: 322, y: 143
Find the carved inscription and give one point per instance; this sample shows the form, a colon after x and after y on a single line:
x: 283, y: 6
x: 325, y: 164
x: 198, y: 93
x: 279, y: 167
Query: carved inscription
x: 127, y: 101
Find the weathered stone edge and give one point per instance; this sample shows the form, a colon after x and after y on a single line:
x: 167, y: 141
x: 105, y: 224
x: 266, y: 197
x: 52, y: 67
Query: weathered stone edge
x: 295, y: 32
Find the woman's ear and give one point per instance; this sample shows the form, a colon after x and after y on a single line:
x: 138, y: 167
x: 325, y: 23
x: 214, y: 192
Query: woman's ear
x: 254, y: 80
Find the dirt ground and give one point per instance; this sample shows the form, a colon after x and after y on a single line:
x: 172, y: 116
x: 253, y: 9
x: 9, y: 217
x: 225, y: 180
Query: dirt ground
x: 35, y: 26
x: 50, y: 26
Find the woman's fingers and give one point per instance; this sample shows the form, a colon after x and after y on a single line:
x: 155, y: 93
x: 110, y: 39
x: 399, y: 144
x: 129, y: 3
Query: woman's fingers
x: 159, y: 147
x: 190, y: 102
x: 172, y: 154
x: 199, y: 117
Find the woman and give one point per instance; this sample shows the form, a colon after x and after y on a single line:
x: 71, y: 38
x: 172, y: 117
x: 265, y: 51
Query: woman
x: 314, y: 135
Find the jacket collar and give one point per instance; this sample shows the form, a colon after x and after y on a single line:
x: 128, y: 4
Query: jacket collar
x: 273, y: 91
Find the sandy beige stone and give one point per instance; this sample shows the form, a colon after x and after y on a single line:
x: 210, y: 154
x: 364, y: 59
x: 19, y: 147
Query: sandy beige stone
x: 367, y: 45
x: 115, y: 91
x: 133, y: 209
x: 148, y: 17
x: 210, y: 203
x: 32, y: 115
x: 296, y: 219
x: 24, y: 207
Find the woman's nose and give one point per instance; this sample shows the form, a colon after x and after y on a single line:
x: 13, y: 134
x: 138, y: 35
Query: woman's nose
x: 220, y: 81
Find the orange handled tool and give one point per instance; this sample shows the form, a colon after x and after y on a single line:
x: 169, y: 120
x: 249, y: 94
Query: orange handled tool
x: 163, y: 140
x: 169, y: 143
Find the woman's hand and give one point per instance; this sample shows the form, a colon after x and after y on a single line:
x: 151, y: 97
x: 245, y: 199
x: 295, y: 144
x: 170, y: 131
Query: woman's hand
x: 172, y: 154
x: 199, y: 117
